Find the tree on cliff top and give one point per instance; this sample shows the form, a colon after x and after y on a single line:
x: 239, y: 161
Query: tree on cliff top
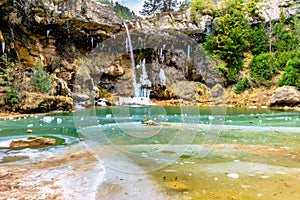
x: 152, y: 7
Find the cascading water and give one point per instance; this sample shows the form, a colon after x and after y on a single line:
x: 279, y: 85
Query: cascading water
x: 132, y: 60
x: 127, y: 46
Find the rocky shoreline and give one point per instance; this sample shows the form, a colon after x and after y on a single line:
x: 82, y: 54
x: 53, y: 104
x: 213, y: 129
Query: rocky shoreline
x: 251, y: 98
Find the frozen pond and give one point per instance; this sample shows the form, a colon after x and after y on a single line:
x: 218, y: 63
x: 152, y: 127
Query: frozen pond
x: 186, y: 153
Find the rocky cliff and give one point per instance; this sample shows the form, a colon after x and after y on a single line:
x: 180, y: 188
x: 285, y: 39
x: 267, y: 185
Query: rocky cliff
x: 66, y: 36
x: 55, y: 34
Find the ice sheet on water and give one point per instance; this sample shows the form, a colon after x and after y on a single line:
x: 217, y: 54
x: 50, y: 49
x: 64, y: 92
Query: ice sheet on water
x: 48, y: 119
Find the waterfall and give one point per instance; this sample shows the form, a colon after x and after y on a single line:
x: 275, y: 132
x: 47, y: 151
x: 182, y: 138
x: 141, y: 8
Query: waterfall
x: 132, y: 60
x: 162, y: 77
x: 3, y: 47
x: 127, y: 46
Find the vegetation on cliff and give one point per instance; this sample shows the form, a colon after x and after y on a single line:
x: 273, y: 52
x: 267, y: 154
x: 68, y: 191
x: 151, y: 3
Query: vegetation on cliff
x: 273, y: 47
x: 44, y: 42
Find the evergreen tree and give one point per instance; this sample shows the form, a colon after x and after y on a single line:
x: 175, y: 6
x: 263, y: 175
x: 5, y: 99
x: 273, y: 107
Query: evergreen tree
x: 152, y: 7
x: 229, y: 40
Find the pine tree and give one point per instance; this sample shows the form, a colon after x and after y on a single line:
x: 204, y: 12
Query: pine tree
x: 152, y: 7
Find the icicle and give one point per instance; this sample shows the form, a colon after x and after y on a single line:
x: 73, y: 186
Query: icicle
x: 162, y: 77
x: 188, y: 51
x: 48, y: 32
x: 3, y: 47
x: 42, y: 58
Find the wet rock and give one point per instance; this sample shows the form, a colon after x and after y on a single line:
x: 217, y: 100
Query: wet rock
x: 32, y: 142
x: 285, y: 96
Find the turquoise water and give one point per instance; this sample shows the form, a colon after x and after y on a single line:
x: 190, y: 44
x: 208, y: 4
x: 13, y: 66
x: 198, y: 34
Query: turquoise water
x: 115, y: 119
x: 199, y: 147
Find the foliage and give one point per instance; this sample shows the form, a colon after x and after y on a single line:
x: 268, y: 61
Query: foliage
x: 6, y: 70
x: 229, y: 40
x: 41, y: 81
x: 152, y: 7
x: 258, y: 39
x: 263, y: 68
x: 12, y: 97
x: 282, y: 59
x: 286, y: 36
x: 291, y: 75
x: 123, y: 11
x: 203, y: 7
x: 241, y: 85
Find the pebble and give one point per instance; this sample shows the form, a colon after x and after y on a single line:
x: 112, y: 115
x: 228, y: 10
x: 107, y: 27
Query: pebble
x: 232, y: 175
x: 265, y: 177
x: 29, y: 131
x: 288, y: 184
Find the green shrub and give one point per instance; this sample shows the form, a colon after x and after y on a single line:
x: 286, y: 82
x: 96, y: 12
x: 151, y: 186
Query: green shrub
x: 282, y: 59
x: 41, y: 81
x: 287, y: 37
x: 12, y: 97
x: 291, y: 76
x: 241, y: 85
x: 258, y: 40
x: 263, y: 68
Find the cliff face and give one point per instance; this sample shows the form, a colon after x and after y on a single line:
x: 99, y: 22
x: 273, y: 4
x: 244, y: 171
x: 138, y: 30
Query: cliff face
x: 57, y: 34
x: 61, y: 34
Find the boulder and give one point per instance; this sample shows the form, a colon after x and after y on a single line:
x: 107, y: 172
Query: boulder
x: 81, y: 97
x: 285, y: 96
x: 32, y: 142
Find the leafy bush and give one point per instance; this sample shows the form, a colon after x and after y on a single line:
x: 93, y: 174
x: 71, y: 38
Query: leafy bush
x: 287, y: 37
x: 12, y: 97
x: 291, y: 76
x: 241, y: 85
x: 258, y: 40
x: 41, y: 81
x: 282, y: 59
x: 263, y: 68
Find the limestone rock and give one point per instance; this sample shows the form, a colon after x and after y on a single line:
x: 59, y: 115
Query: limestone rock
x: 114, y: 70
x: 32, y: 142
x: 81, y: 97
x: 285, y: 96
